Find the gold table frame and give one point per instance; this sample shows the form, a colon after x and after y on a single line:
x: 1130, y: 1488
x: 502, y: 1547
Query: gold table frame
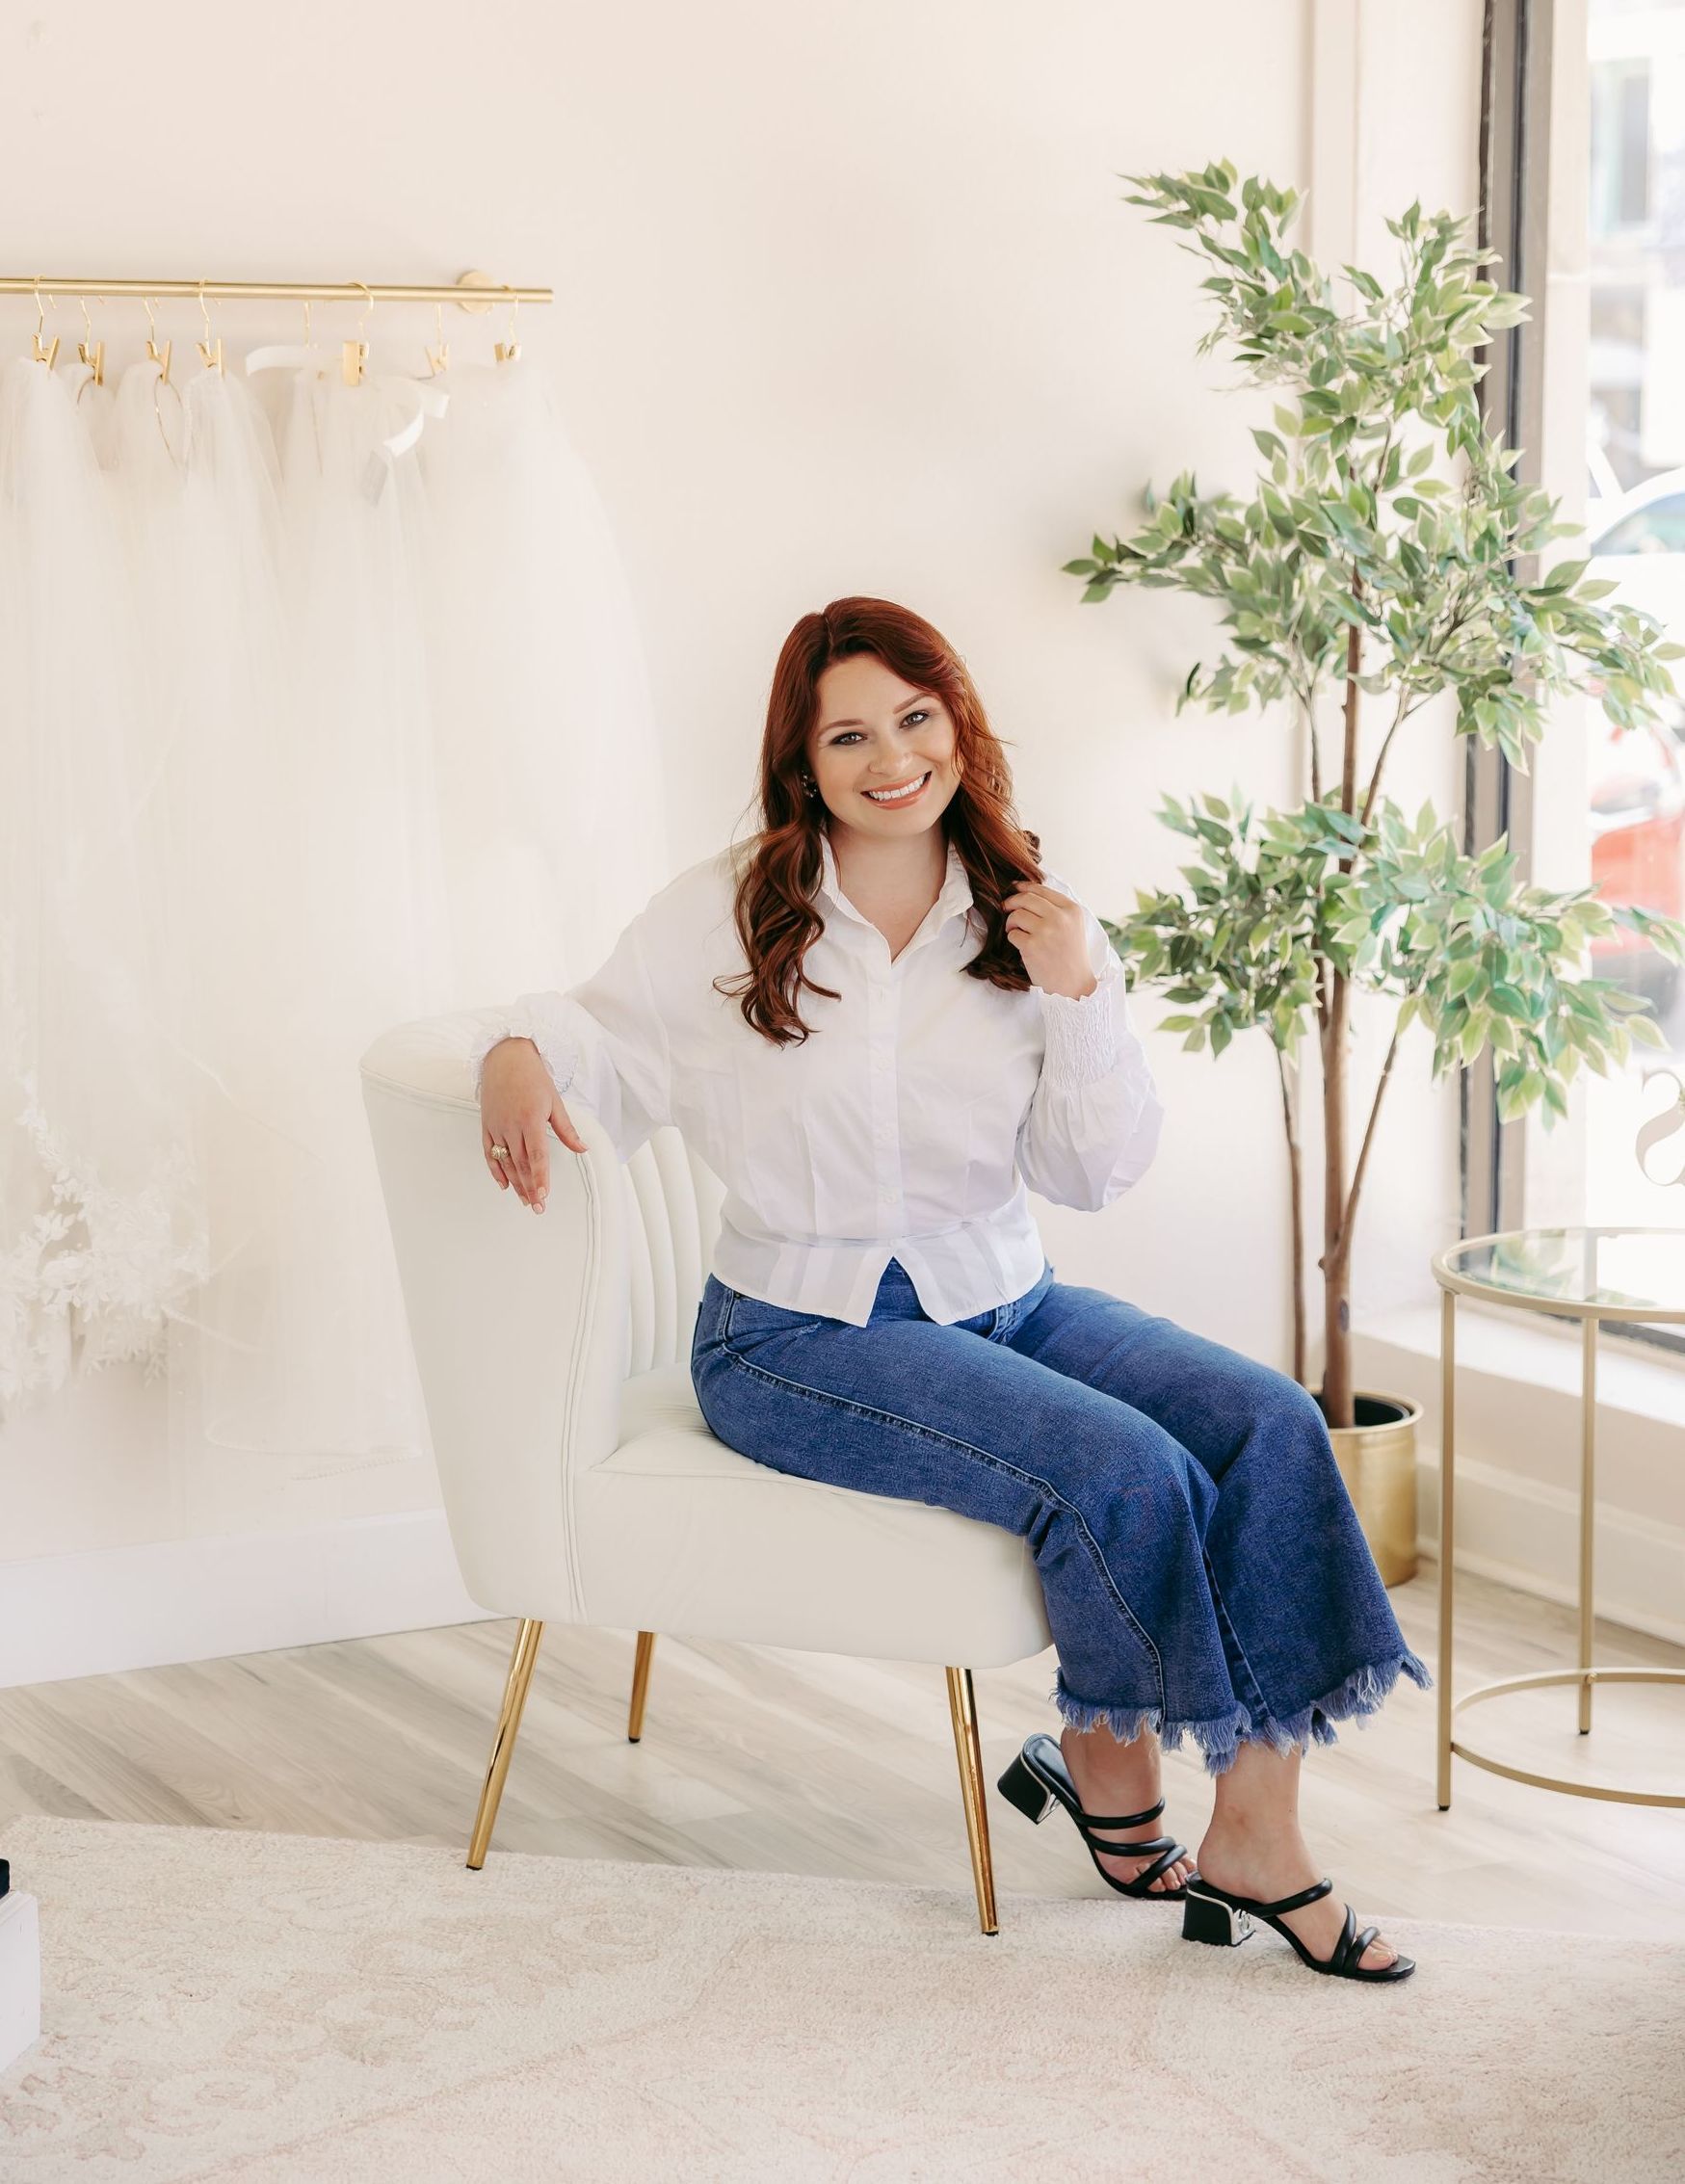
x: 1454, y: 1283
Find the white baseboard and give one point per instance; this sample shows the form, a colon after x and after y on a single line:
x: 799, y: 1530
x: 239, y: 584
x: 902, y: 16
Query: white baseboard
x: 90, y: 1615
x: 204, y: 1599
x: 1526, y: 1534
x: 1518, y: 1428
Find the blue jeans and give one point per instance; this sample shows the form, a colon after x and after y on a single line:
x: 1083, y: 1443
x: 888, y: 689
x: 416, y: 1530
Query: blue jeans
x: 1204, y: 1569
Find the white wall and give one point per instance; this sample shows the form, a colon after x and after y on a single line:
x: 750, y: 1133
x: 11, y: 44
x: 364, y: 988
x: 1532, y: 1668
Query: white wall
x: 848, y: 301
x: 1393, y: 114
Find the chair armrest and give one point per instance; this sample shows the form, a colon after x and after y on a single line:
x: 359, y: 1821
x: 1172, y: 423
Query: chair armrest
x: 518, y: 1319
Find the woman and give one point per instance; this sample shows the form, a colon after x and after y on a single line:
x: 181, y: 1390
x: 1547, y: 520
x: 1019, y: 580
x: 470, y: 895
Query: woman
x: 878, y: 1025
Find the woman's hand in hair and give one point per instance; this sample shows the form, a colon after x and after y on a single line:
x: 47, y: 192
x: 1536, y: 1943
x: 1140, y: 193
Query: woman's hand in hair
x: 518, y: 1104
x: 1050, y: 932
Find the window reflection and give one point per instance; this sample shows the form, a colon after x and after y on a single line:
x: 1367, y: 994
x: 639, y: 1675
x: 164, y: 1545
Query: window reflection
x: 1635, y: 452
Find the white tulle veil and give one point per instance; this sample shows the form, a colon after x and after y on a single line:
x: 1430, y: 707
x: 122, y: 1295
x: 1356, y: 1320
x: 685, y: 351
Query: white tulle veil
x: 325, y: 710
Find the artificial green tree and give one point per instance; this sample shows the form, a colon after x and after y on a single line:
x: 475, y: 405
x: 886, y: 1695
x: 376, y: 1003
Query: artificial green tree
x: 1379, y: 558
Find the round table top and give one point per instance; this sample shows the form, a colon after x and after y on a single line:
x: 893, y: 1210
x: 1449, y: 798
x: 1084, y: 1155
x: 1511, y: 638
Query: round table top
x: 1604, y: 1274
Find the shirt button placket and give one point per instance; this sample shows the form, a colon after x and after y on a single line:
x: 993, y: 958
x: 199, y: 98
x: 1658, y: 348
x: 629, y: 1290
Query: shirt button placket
x: 885, y: 1135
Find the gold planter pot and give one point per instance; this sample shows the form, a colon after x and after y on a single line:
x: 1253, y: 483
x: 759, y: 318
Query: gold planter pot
x: 1377, y: 1459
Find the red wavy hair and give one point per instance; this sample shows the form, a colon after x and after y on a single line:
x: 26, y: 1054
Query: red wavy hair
x: 776, y: 916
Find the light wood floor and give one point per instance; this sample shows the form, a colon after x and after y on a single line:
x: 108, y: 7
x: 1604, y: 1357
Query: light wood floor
x: 801, y: 1763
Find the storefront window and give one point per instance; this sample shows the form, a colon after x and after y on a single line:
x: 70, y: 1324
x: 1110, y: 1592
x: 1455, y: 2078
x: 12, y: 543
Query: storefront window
x: 1634, y: 404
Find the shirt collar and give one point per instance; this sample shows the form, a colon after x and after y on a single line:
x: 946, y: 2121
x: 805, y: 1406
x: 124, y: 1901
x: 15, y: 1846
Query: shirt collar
x: 956, y: 894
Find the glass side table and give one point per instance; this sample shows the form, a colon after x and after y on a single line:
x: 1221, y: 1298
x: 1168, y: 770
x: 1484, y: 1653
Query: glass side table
x: 1591, y: 1274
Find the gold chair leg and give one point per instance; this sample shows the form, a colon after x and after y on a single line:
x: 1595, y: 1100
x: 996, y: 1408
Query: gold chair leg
x: 963, y: 1709
x: 640, y: 1685
x: 514, y: 1697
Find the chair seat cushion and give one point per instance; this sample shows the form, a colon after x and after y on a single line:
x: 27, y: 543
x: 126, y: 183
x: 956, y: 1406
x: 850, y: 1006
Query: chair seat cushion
x: 680, y: 1533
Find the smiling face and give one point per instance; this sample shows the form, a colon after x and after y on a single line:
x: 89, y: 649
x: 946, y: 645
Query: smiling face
x: 875, y: 731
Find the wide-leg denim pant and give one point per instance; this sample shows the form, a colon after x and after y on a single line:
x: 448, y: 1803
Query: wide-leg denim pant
x: 1204, y: 1569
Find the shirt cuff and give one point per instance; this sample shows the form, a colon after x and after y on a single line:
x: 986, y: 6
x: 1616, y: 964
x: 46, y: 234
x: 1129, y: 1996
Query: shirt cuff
x: 1084, y: 1037
x: 560, y: 1056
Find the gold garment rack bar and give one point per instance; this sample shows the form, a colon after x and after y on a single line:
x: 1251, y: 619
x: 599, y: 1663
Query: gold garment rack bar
x: 474, y: 293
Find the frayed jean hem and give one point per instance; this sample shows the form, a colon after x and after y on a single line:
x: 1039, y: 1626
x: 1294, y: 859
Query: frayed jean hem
x: 1216, y: 1740
x: 1353, y: 1699
x: 1360, y: 1694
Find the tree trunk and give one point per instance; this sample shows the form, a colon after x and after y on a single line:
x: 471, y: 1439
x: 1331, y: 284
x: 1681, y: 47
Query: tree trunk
x: 1295, y: 1186
x: 1336, y: 1256
x: 1336, y: 1382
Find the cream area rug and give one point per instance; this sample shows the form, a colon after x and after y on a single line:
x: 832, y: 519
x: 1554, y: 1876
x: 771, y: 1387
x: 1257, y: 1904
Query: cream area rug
x: 263, y: 2009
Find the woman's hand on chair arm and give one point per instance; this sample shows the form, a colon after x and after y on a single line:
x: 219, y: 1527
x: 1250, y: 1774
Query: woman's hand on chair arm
x: 518, y: 1103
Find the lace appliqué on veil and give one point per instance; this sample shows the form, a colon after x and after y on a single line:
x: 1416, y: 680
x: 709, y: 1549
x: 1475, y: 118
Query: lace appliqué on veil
x: 94, y: 1275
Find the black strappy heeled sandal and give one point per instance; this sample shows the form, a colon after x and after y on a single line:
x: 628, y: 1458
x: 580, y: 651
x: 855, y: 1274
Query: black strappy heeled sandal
x: 1215, y: 1915
x: 1038, y: 1776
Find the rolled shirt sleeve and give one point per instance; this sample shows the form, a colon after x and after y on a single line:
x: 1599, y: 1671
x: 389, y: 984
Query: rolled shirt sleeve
x: 604, y: 1041
x: 1093, y: 1121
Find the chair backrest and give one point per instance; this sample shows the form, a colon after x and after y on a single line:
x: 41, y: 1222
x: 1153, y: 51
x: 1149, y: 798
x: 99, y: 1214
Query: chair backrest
x: 525, y: 1325
x: 673, y: 1218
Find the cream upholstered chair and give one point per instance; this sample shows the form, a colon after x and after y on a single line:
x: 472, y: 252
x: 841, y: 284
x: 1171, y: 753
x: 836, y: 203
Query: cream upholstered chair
x: 580, y: 1481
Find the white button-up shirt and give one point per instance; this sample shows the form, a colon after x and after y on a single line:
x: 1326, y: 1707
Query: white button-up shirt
x: 907, y: 1125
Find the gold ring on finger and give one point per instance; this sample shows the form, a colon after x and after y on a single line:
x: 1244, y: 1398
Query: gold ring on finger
x: 500, y: 1152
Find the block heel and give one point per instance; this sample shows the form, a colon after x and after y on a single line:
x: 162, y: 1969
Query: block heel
x: 1218, y: 1915
x: 1038, y: 1779
x: 1206, y: 1919
x: 1031, y: 1796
